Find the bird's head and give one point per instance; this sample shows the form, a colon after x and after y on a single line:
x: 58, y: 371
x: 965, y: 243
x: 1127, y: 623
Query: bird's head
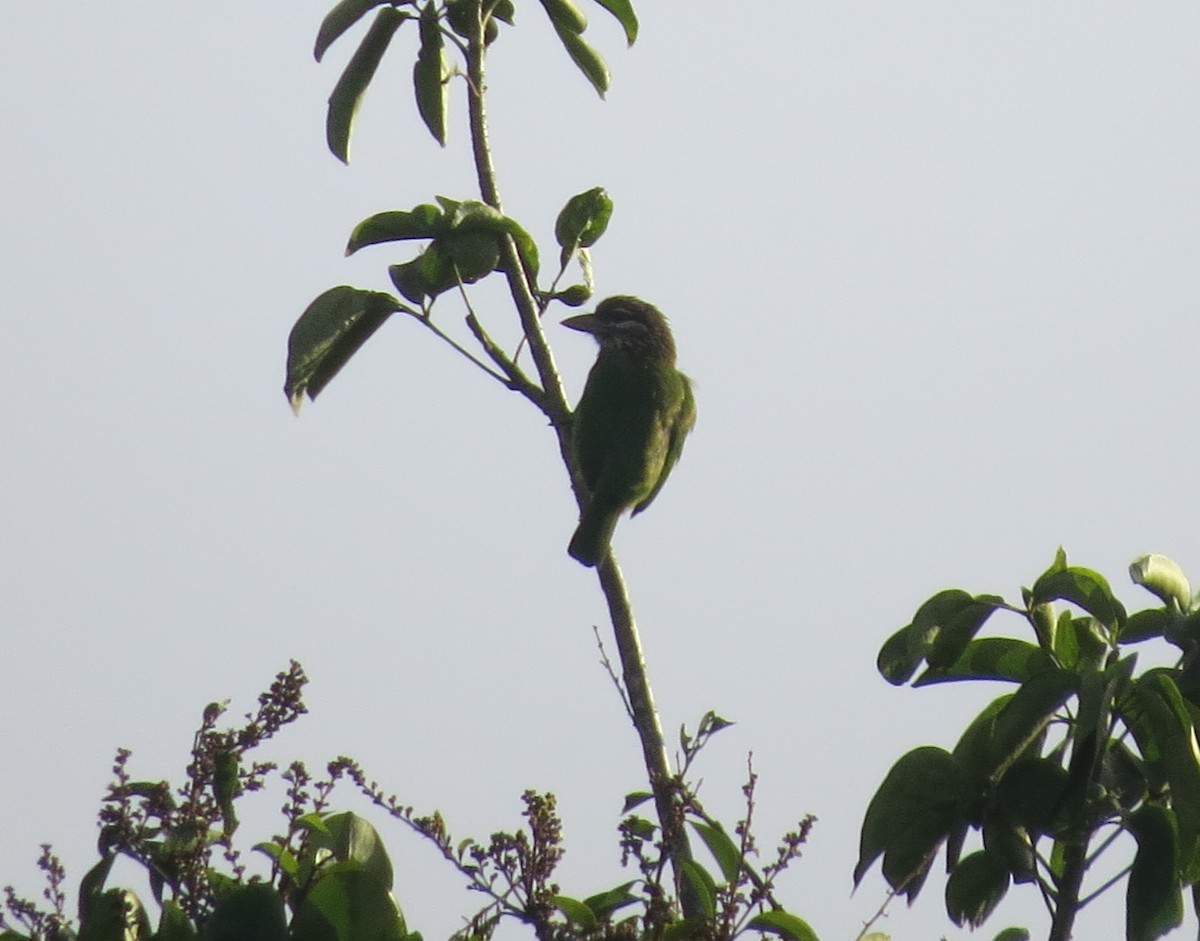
x: 629, y: 325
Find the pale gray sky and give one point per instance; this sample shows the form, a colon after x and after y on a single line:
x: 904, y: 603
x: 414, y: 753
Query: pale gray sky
x: 932, y: 268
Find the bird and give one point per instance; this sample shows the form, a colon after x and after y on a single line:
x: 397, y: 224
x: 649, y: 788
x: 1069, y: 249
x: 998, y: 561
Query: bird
x: 631, y: 421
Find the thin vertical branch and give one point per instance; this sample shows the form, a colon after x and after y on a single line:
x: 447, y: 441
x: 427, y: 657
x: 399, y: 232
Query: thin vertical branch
x: 612, y: 584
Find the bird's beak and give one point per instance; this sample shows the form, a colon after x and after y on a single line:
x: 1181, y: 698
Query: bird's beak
x: 584, y: 322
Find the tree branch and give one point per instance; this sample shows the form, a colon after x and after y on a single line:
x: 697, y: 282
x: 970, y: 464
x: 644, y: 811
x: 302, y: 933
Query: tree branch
x: 633, y: 666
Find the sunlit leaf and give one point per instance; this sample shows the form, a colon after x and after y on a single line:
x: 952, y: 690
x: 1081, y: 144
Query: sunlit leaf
x: 1164, y: 578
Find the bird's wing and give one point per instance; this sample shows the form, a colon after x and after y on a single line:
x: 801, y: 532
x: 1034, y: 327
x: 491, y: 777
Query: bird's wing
x: 685, y: 419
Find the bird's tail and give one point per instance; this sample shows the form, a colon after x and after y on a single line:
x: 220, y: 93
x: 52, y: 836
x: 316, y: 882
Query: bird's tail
x: 592, y: 537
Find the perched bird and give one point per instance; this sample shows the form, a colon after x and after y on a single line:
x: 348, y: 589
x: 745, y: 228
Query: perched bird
x: 631, y: 420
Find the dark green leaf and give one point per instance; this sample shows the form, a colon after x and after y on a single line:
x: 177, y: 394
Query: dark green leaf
x: 1146, y: 625
x: 115, y: 915
x: 623, y: 11
x: 603, y: 904
x: 635, y: 799
x: 1083, y: 587
x: 959, y: 629
x: 348, y: 903
x: 423, y: 222
x: 174, y: 924
x: 429, y: 74
x: 586, y: 59
x: 923, y: 798
x: 727, y: 853
x: 1010, y: 842
x: 429, y: 274
x: 899, y: 657
x: 504, y: 10
x: 344, y: 15
x: 1154, y: 902
x: 577, y: 912
x: 1026, y: 715
x: 1030, y: 793
x: 347, y: 94
x: 1162, y: 725
x: 991, y: 658
x: 328, y: 333
x: 699, y: 884
x: 1013, y: 934
x: 973, y: 751
x: 91, y: 886
x: 247, y: 911
x: 975, y: 888
x: 784, y: 924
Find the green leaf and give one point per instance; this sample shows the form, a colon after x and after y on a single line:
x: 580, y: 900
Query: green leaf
x: 975, y: 888
x: 784, y: 924
x: 698, y: 883
x: 1026, y: 715
x: 247, y: 911
x: 347, y: 94
x: 429, y: 274
x: 1083, y: 587
x: 344, y: 15
x: 582, y: 221
x: 174, y: 924
x: 352, y: 839
x: 577, y: 912
x: 425, y: 221
x: 991, y: 658
x: 575, y: 296
x: 1011, y: 843
x: 727, y: 853
x: 348, y: 903
x: 1154, y: 902
x: 115, y: 915
x: 1013, y: 934
x: 91, y: 886
x: 429, y: 74
x: 328, y: 333
x: 1164, y: 578
x: 899, y: 656
x: 623, y: 11
x: 1162, y: 725
x: 924, y: 797
x: 586, y: 59
x: 564, y: 14
x: 959, y: 629
x: 603, y: 904
x: 284, y: 858
x: 635, y: 799
x: 1146, y: 625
